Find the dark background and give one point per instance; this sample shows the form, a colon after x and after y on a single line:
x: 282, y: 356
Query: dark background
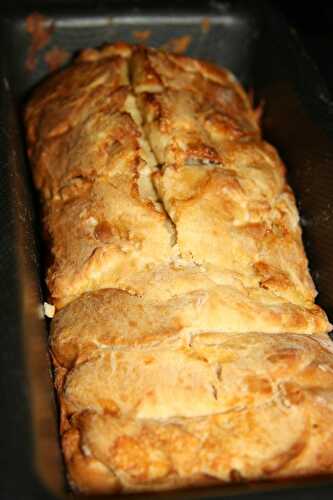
x: 314, y: 23
x: 312, y: 20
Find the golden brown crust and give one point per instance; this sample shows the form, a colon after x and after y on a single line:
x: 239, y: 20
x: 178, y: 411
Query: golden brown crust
x: 227, y: 407
x: 87, y: 325
x: 160, y: 163
x: 188, y: 349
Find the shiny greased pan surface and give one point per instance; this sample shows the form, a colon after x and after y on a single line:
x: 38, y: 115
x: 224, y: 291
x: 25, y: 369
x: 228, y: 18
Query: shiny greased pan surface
x: 258, y: 47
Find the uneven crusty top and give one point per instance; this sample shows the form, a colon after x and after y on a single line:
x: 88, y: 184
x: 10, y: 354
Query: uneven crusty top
x: 187, y: 345
x: 150, y: 402
x: 152, y: 164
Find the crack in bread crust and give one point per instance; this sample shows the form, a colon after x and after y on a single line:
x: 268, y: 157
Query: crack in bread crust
x: 160, y: 162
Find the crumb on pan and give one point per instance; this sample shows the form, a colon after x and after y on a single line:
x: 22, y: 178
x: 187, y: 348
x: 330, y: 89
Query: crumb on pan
x: 141, y: 36
x: 56, y: 57
x: 258, y: 110
x: 250, y: 94
x: 205, y: 25
x: 49, y: 310
x: 178, y: 45
x: 40, y: 29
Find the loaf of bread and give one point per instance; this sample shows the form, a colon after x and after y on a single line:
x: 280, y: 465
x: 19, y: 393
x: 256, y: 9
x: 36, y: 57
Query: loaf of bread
x: 187, y: 345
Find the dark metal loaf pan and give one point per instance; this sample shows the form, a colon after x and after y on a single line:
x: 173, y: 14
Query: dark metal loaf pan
x: 254, y: 42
